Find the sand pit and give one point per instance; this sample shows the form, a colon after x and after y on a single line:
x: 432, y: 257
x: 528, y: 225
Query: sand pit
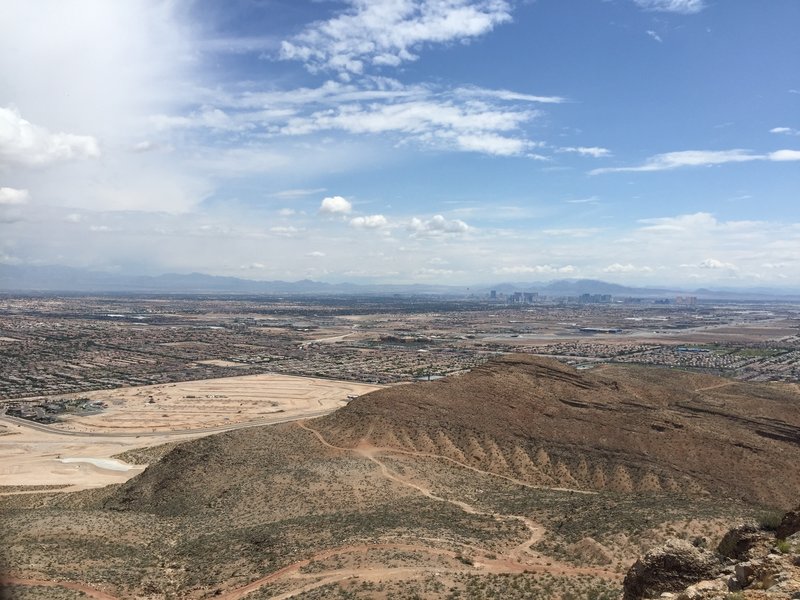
x: 212, y: 403
x: 78, y: 452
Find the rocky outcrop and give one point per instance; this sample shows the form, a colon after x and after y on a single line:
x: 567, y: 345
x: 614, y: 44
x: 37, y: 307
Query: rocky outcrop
x: 751, y: 564
x: 670, y: 568
x: 790, y: 524
x: 745, y: 541
x: 772, y: 577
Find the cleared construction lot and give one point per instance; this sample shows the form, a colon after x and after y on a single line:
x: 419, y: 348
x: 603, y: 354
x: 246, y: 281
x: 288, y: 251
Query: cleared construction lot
x: 211, y: 403
x: 76, y: 451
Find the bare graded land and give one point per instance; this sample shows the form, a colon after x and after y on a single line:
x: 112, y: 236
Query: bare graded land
x: 80, y: 451
x: 210, y: 403
x: 490, y: 484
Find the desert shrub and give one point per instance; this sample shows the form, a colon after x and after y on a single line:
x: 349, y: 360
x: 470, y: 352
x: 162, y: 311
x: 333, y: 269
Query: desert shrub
x: 769, y: 520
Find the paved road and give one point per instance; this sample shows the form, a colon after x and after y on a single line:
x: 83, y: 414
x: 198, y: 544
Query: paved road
x: 8, y: 420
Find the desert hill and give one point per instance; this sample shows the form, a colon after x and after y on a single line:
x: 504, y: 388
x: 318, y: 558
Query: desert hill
x: 618, y: 428
x: 521, y: 479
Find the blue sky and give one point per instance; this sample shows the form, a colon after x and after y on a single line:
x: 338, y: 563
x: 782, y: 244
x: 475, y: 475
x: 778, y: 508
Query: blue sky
x: 650, y: 142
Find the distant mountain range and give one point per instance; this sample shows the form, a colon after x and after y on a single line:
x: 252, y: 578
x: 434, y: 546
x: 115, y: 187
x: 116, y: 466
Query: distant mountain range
x: 15, y: 278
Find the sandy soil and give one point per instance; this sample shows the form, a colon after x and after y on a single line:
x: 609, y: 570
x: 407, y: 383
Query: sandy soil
x: 36, y: 457
x: 212, y: 403
x: 222, y: 363
x: 76, y: 453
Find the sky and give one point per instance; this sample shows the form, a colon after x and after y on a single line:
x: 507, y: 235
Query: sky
x: 643, y: 142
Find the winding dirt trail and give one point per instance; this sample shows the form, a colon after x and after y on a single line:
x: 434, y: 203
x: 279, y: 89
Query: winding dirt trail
x: 390, y: 450
x: 520, y: 559
x: 370, y: 452
x: 78, y: 587
x: 715, y: 386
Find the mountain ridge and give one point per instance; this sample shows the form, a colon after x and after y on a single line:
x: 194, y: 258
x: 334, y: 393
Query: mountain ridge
x: 43, y: 279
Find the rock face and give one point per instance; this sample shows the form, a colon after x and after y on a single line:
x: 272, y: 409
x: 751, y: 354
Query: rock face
x: 745, y: 541
x: 789, y: 525
x: 752, y: 564
x: 670, y: 568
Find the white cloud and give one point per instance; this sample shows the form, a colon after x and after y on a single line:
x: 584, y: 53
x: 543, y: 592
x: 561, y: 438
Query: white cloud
x: 10, y: 196
x: 437, y: 225
x: 712, y: 263
x: 369, y: 222
x: 285, y: 231
x: 23, y: 143
x: 86, y: 90
x: 508, y: 95
x: 463, y: 118
x: 315, y: 254
x: 654, y: 35
x: 626, y: 268
x: 572, y: 231
x: 490, y: 143
x: 686, y: 7
x: 8, y: 259
x: 286, y: 212
x: 144, y: 146
x: 117, y: 63
x: 427, y: 273
x: 589, y: 200
x: 700, y: 158
x: 784, y: 155
x: 380, y: 33
x: 682, y: 223
x: 535, y: 269
x: 785, y: 130
x: 593, y: 151
x: 335, y: 205
x: 440, y: 122
x: 297, y: 193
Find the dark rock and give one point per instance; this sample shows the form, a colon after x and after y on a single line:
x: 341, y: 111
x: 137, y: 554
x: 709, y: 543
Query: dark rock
x: 745, y: 541
x: 790, y: 524
x: 669, y: 568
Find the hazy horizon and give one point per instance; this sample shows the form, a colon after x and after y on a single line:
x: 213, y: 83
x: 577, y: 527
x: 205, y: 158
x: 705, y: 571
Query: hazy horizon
x: 640, y: 142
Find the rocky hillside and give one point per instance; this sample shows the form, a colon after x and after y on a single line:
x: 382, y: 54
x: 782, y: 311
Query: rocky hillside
x: 751, y: 562
x: 617, y: 428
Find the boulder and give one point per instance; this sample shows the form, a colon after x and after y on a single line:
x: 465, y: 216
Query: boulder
x: 790, y: 524
x: 762, y: 573
x: 670, y: 568
x: 745, y: 542
x: 705, y: 590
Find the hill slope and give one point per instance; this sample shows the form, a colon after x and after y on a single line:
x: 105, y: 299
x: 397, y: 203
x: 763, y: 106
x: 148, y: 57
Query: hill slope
x: 625, y: 429
x: 463, y: 487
